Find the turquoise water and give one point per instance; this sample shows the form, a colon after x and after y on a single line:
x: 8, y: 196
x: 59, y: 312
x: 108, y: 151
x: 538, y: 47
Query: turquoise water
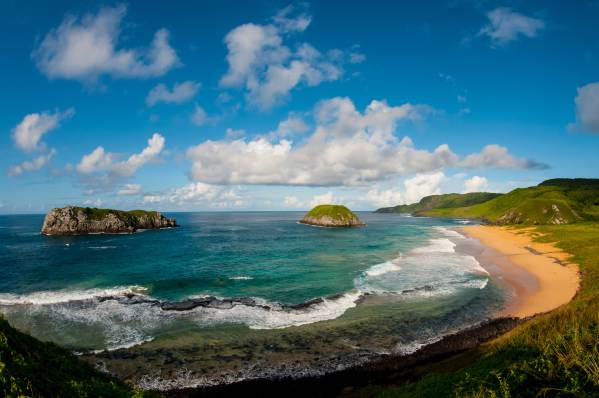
x: 110, y: 291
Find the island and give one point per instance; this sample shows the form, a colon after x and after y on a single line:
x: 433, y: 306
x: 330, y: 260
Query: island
x: 73, y: 220
x: 331, y: 216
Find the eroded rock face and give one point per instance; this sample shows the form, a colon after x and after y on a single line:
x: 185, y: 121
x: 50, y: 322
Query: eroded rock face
x: 73, y: 220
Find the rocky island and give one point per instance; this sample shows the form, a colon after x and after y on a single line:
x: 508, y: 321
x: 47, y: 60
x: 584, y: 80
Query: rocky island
x: 73, y: 220
x: 331, y: 216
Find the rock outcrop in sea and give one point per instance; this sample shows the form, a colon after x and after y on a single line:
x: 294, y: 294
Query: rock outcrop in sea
x: 73, y: 220
x: 331, y: 216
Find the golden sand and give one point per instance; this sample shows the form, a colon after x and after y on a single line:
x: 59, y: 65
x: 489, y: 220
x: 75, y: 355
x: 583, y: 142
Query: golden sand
x: 540, y: 273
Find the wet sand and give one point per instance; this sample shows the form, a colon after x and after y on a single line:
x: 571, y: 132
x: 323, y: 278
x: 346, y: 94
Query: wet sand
x: 539, y: 274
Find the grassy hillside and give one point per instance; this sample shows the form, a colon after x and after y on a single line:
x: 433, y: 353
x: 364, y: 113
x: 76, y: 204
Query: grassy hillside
x: 559, y: 201
x: 336, y: 212
x: 31, y: 368
x: 95, y: 213
x: 554, y: 355
x: 450, y: 200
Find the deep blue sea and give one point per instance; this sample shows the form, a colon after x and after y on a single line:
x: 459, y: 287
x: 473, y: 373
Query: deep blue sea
x: 100, y: 292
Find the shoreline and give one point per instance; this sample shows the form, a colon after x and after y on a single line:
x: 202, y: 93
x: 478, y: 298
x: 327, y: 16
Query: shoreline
x: 539, y: 274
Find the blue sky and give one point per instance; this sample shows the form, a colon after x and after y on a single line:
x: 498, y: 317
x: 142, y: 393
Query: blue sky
x: 268, y: 105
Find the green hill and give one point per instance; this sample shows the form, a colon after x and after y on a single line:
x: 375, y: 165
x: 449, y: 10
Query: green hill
x: 557, y: 201
x: 331, y: 216
x: 31, y: 368
x: 450, y: 200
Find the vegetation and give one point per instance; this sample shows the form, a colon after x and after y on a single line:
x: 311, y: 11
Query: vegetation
x: 450, y: 200
x: 94, y: 213
x: 556, y: 354
x: 31, y: 368
x: 557, y: 201
x: 338, y: 213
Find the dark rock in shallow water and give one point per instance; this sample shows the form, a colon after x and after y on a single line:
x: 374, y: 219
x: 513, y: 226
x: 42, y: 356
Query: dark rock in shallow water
x: 72, y: 220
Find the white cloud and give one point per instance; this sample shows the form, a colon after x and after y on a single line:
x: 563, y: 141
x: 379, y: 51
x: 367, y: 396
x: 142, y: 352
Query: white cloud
x: 476, y: 184
x: 506, y: 25
x: 99, y: 160
x: 291, y: 126
x: 198, y: 194
x: 325, y: 199
x: 129, y: 190
x: 346, y: 147
x: 266, y: 68
x: 85, y: 48
x: 199, y: 116
x: 423, y: 185
x: 587, y: 108
x: 181, y: 92
x: 384, y: 198
x: 28, y: 133
x: 357, y: 58
x: 31, y: 165
x: 497, y: 156
x: 292, y: 201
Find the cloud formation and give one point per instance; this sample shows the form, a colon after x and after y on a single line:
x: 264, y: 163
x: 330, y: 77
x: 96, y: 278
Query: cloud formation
x: 587, y: 108
x: 267, y: 69
x: 347, y: 147
x: 197, y: 194
x: 27, y: 134
x: 476, y: 184
x: 86, y: 48
x: 506, y: 25
x: 181, y: 92
x: 101, y: 170
x: 129, y: 190
x: 31, y: 165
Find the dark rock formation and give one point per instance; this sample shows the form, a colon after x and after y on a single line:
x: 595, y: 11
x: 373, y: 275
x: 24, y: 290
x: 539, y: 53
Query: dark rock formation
x: 72, y: 220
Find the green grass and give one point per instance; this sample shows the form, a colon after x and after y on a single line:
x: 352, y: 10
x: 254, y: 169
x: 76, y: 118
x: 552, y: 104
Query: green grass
x: 31, y: 368
x: 450, y: 200
x: 553, y: 355
x: 94, y: 213
x: 336, y: 212
x: 558, y: 201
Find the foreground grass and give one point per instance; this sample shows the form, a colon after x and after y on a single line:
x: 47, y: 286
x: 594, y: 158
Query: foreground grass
x: 553, y: 355
x: 31, y: 368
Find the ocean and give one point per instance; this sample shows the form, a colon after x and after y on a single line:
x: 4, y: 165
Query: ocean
x: 227, y: 284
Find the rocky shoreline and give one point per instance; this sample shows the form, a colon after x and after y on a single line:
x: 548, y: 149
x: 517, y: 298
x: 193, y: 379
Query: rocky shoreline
x: 387, y: 369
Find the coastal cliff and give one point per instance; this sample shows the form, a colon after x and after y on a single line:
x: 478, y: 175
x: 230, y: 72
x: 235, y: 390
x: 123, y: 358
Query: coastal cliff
x: 72, y: 220
x: 331, y: 216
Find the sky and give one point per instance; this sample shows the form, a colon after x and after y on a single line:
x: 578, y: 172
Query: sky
x: 273, y: 105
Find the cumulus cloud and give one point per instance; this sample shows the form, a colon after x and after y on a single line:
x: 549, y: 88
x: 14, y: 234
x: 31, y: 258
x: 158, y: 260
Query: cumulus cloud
x: 86, y: 48
x: 497, y: 156
x: 423, y: 185
x: 384, y: 198
x: 476, y: 184
x: 506, y: 25
x: 31, y: 165
x: 587, y: 108
x: 28, y: 133
x: 292, y: 201
x: 198, y: 194
x: 129, y: 190
x: 101, y: 161
x: 346, y: 147
x: 266, y: 68
x: 181, y: 92
x: 199, y: 116
x: 325, y: 199
x: 101, y: 170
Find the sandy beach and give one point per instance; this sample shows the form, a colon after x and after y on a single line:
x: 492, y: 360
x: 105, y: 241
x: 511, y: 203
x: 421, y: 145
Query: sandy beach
x: 539, y: 273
